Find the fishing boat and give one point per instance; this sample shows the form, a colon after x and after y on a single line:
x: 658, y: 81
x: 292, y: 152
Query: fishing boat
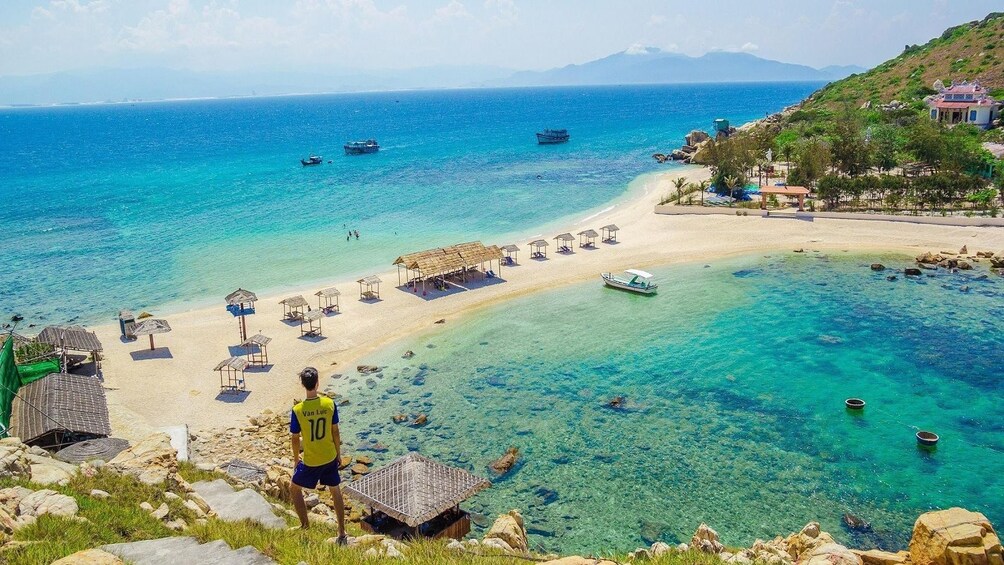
x: 550, y: 136
x: 312, y: 160
x: 361, y: 147
x: 634, y: 281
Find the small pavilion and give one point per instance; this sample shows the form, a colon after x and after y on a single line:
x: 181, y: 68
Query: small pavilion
x: 151, y: 326
x: 59, y: 410
x: 310, y: 324
x: 256, y: 347
x: 564, y: 242
x: 65, y: 339
x: 369, y: 288
x: 240, y: 303
x: 452, y: 261
x: 416, y: 496
x: 293, y: 307
x: 608, y: 233
x: 587, y: 238
x: 511, y: 251
x: 327, y: 300
x: 538, y: 249
x: 232, y: 374
x: 799, y: 192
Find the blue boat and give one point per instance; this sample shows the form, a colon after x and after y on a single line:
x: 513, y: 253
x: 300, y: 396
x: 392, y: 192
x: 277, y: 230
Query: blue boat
x: 312, y: 160
x: 549, y: 136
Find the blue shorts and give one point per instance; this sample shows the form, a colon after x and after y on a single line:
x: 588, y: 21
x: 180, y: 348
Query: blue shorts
x: 308, y: 477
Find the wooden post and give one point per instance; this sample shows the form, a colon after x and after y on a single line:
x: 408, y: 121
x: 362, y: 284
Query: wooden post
x: 763, y: 201
x: 801, y: 202
x: 151, y: 342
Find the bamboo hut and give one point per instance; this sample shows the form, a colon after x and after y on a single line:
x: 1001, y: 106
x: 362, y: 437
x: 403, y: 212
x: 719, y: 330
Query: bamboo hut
x: 511, y: 254
x: 538, y: 249
x: 59, y: 410
x: 371, y: 284
x: 256, y: 348
x: 608, y: 233
x: 416, y: 496
x: 66, y: 339
x: 151, y: 326
x: 293, y: 307
x: 587, y: 238
x: 327, y: 300
x: 442, y: 262
x: 240, y: 303
x: 564, y: 242
x: 310, y: 324
x: 232, y: 374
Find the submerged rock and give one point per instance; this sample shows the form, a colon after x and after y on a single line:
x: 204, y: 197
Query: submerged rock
x: 855, y: 523
x: 504, y: 464
x: 878, y: 267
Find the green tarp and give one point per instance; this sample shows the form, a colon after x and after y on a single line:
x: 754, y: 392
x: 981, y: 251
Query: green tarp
x: 34, y: 371
x: 10, y: 381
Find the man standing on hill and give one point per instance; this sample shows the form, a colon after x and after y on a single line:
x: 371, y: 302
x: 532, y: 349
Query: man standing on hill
x: 314, y: 426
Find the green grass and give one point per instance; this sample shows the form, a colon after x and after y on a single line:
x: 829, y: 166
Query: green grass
x: 120, y: 519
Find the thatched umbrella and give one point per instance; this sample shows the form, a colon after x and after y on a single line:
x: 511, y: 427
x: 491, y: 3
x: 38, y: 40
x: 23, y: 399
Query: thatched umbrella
x: 151, y: 326
x: 241, y: 303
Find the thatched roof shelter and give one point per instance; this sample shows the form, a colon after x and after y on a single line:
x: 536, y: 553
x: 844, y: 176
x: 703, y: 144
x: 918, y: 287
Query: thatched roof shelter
x: 372, y: 287
x: 241, y: 296
x: 232, y: 374
x: 293, y: 306
x: 443, y: 261
x: 256, y: 347
x: 511, y: 251
x: 415, y: 489
x: 73, y: 338
x: 587, y: 238
x: 151, y: 326
x: 59, y: 410
x: 564, y: 242
x: 538, y: 248
x: 313, y: 321
x: 327, y: 299
x: 233, y: 363
x: 510, y: 248
x: 258, y: 340
x: 609, y: 233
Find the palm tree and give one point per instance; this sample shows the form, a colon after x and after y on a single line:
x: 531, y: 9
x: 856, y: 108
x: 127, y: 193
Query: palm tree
x: 679, y: 183
x: 731, y: 183
x: 703, y: 186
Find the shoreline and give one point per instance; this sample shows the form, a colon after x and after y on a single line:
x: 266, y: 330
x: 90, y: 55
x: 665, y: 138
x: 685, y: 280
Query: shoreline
x: 184, y: 387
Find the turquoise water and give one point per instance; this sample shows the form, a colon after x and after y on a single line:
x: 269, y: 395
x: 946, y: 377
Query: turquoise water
x: 734, y: 378
x: 179, y: 203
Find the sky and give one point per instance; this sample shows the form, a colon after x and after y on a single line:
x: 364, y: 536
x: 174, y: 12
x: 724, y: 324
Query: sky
x: 207, y: 35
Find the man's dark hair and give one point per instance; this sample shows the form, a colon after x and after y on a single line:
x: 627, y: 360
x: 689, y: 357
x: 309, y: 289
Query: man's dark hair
x: 308, y: 378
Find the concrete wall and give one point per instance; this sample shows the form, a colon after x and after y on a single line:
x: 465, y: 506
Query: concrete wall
x: 809, y: 216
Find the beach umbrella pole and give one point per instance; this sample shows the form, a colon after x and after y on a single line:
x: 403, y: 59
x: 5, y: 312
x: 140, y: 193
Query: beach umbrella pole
x: 151, y: 342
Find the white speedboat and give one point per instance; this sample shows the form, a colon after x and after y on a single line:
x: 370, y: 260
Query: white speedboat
x: 634, y: 281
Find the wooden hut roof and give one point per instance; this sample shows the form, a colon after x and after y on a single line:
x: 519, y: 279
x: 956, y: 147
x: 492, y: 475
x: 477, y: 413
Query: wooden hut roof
x: 589, y: 233
x: 312, y: 316
x: 415, y: 489
x: 294, y: 301
x: 151, y: 326
x: 70, y: 337
x: 372, y: 279
x: 511, y: 248
x: 565, y: 237
x: 493, y: 253
x: 328, y: 292
x: 235, y: 363
x: 538, y: 243
x: 60, y: 402
x: 241, y: 296
x: 610, y: 227
x: 450, y: 258
x: 256, y: 339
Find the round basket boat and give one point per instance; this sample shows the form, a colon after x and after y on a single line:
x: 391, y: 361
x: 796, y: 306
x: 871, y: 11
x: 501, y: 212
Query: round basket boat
x: 854, y: 403
x: 927, y: 439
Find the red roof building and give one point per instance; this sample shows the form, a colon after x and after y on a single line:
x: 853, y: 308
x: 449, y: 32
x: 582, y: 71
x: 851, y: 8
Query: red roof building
x: 963, y: 103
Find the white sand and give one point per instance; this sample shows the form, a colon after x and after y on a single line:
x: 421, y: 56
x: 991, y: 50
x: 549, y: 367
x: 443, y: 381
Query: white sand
x: 182, y: 388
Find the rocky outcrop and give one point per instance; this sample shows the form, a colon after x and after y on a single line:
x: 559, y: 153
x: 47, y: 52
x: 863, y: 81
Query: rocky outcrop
x: 152, y: 461
x: 90, y: 557
x: 879, y: 557
x: 696, y: 137
x: 705, y: 539
x: 954, y: 537
x: 831, y: 554
x: 509, y: 529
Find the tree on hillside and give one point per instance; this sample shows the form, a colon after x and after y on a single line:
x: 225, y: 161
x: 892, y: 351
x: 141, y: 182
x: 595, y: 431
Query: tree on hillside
x: 885, y: 142
x: 925, y: 141
x: 850, y: 151
x: 812, y: 159
x: 964, y: 152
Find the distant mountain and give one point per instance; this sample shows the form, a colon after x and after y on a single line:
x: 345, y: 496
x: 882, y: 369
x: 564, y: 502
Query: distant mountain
x: 117, y: 85
x: 654, y: 66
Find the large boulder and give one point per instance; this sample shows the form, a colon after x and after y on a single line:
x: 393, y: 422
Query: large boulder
x: 90, y: 557
x: 45, y: 470
x: 879, y: 557
x: 954, y: 537
x: 706, y: 540
x: 152, y: 460
x: 831, y: 554
x: 997, y: 261
x: 807, y: 540
x: 47, y: 501
x: 510, y: 529
x: 12, y: 458
x: 697, y: 136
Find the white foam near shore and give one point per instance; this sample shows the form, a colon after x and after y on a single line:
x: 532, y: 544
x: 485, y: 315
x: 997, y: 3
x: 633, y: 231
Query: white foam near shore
x: 178, y: 384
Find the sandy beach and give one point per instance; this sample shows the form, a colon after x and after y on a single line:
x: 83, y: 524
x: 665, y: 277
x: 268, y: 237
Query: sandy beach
x: 176, y: 384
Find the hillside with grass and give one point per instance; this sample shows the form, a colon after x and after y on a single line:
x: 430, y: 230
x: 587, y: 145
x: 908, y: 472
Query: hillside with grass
x: 971, y: 51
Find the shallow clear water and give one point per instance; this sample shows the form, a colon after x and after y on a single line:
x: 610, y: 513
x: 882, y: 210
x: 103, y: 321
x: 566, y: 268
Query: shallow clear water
x: 178, y: 203
x: 735, y: 377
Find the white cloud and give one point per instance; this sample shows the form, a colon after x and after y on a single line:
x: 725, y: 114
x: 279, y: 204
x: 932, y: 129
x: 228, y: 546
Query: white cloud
x: 749, y: 47
x: 502, y: 11
x: 656, y: 20
x: 455, y: 9
x: 636, y: 49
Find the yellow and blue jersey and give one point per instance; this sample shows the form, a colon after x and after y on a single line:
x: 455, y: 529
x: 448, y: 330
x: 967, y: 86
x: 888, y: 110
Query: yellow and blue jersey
x: 312, y: 419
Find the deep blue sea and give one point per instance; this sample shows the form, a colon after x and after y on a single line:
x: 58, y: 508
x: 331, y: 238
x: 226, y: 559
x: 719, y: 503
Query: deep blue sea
x: 175, y: 204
